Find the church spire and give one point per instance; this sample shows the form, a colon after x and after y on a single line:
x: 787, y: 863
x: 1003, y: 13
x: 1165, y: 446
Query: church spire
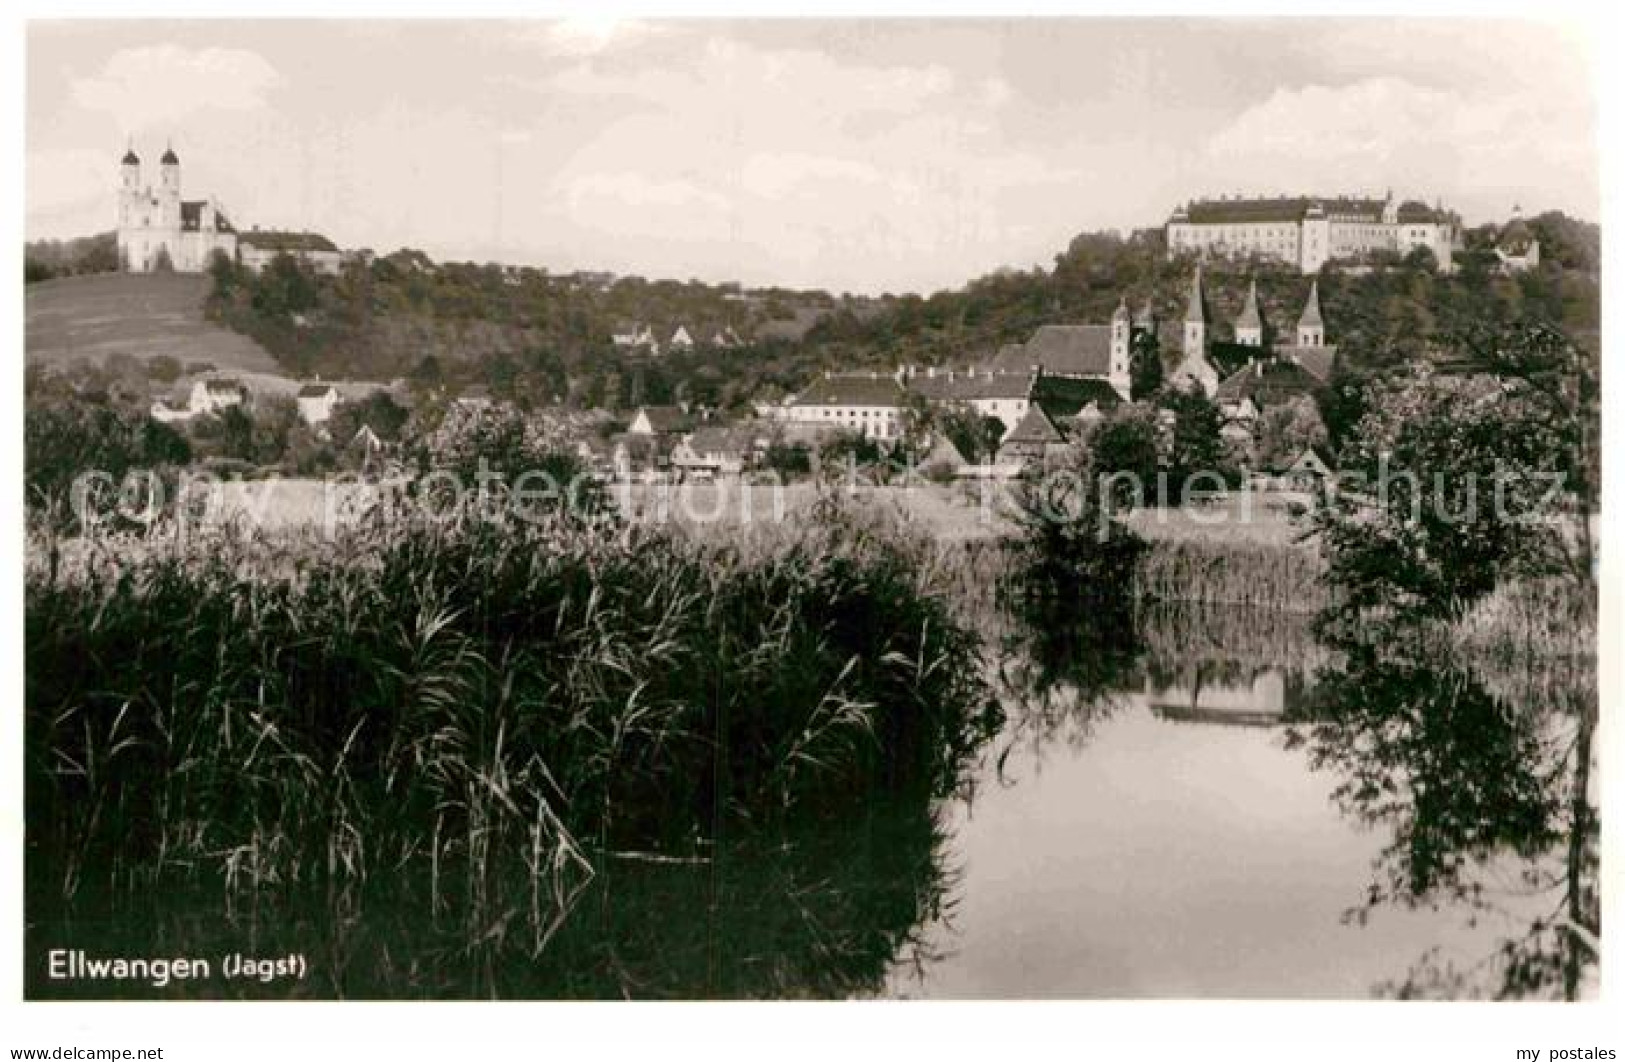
x: 1311, y: 328
x: 1250, y: 325
x: 1196, y: 308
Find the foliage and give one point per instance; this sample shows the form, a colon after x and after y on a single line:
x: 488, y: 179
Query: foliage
x: 1456, y: 483
x: 1285, y: 431
x: 459, y: 725
x: 48, y: 259
x: 1196, y: 451
x: 1123, y: 448
x: 66, y: 437
x: 789, y: 461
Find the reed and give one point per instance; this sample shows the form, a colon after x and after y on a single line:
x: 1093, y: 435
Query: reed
x: 473, y: 704
x: 1214, y: 572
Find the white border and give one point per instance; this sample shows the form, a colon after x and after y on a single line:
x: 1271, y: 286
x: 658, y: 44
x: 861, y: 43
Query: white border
x: 1352, y: 1031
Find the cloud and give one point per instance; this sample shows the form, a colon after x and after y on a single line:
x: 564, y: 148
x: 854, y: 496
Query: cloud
x: 620, y: 191
x: 158, y: 85
x: 1381, y: 131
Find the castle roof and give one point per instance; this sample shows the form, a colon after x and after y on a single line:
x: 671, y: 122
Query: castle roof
x: 1284, y: 209
x: 1311, y: 310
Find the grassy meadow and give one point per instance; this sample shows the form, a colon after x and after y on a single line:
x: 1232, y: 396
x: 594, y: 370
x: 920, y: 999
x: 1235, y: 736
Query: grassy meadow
x: 143, y: 316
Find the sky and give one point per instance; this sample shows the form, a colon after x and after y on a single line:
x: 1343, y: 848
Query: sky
x: 854, y: 156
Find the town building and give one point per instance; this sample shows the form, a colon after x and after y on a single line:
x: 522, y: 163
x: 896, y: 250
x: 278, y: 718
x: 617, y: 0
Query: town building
x: 1516, y: 248
x: 317, y: 402
x: 1309, y: 231
x: 871, y: 405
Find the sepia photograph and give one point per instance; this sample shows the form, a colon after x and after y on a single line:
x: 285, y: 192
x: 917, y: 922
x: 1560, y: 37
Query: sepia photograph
x: 819, y: 508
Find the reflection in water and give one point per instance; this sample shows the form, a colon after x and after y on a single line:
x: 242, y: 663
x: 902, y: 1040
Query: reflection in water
x: 1484, y: 801
x: 1473, y: 779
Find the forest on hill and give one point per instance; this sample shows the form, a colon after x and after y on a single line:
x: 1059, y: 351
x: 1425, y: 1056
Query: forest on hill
x: 541, y: 339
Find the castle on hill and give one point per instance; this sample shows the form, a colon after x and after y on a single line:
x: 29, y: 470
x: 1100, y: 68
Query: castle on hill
x: 157, y: 229
x: 1309, y: 231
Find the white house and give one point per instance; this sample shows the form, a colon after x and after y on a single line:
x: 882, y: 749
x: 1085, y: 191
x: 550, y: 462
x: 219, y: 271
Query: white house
x: 317, y: 402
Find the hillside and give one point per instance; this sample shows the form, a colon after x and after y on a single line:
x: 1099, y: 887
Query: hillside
x: 92, y: 317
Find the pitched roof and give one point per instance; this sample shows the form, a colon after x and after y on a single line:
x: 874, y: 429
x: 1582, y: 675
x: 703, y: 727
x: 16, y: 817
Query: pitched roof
x: 317, y: 390
x: 224, y: 387
x: 1311, y: 309
x: 1268, y: 383
x: 291, y: 242
x: 130, y: 157
x: 984, y: 385
x: 170, y: 158
x: 1318, y: 361
x: 192, y: 217
x: 854, y: 390
x: 1283, y: 209
x: 1062, y: 350
x: 720, y: 439
x: 1034, y: 427
x: 1250, y: 317
x: 1064, y: 396
x: 666, y: 419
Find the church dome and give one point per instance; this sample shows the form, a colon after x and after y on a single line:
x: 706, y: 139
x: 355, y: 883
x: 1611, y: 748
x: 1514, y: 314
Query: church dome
x: 130, y: 158
x: 170, y: 158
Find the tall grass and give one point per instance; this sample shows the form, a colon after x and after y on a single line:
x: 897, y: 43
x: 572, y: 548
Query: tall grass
x: 473, y: 704
x: 1216, y: 572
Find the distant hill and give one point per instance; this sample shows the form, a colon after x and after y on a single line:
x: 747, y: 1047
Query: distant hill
x: 92, y: 317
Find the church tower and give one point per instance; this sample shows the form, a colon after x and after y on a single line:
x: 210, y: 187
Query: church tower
x: 1119, y: 376
x: 1311, y: 329
x: 1196, y: 317
x: 1250, y: 325
x: 129, y: 186
x: 169, y: 189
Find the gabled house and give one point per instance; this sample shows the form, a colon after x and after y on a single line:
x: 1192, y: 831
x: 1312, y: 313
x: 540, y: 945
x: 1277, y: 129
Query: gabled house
x: 714, y: 450
x: 661, y: 421
x: 871, y: 404
x: 1031, y: 440
x: 1305, y: 472
x: 212, y: 396
x: 635, y: 337
x: 317, y: 402
x: 680, y: 339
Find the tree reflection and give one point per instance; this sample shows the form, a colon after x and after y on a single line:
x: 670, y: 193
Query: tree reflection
x: 1488, y: 800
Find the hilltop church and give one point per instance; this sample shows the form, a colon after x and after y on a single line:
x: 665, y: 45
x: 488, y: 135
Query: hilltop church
x: 157, y: 229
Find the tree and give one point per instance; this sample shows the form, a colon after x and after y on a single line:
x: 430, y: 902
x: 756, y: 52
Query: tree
x: 1145, y: 367
x: 65, y: 436
x: 1285, y: 431
x: 1195, y: 445
x: 1451, y: 485
x: 1123, y: 449
x: 378, y: 411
